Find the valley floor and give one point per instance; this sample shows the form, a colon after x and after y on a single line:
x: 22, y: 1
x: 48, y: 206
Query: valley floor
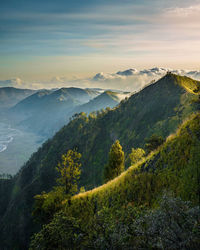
x: 18, y: 150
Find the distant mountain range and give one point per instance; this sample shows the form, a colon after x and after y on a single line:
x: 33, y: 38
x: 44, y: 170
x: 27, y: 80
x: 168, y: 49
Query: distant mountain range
x: 157, y: 109
x: 45, y: 111
x: 48, y: 99
x: 10, y: 96
x: 106, y: 99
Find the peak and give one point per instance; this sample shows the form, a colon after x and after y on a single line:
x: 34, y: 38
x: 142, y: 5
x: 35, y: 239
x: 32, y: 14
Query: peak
x: 189, y: 84
x: 169, y: 76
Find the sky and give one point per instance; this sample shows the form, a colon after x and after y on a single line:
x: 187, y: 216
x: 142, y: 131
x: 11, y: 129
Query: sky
x: 48, y: 41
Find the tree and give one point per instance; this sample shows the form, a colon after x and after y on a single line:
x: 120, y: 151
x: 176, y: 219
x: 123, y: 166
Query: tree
x: 115, y: 164
x: 63, y: 232
x: 69, y: 170
x: 173, y: 225
x: 153, y: 142
x: 47, y: 204
x: 136, y: 155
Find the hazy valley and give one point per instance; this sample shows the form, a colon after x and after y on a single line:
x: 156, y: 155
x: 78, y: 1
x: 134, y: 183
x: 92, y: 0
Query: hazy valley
x: 30, y: 117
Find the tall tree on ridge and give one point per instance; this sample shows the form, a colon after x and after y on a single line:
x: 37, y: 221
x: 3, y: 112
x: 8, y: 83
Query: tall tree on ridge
x: 69, y: 170
x: 115, y: 164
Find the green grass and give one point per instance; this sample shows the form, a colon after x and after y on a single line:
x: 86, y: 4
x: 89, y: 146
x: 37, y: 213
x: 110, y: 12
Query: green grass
x: 191, y: 85
x: 172, y: 167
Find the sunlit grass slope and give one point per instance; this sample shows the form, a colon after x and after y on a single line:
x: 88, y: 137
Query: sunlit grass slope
x: 188, y: 83
x: 173, y: 167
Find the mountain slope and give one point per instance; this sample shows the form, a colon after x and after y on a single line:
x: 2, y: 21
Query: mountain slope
x: 42, y: 100
x: 158, y: 108
x: 10, y: 96
x: 32, y: 103
x: 173, y: 167
x: 106, y: 99
x: 46, y: 111
x: 189, y: 84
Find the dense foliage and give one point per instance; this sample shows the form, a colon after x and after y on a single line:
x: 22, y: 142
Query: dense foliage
x: 153, y: 143
x: 136, y: 155
x: 115, y: 165
x: 69, y: 170
x: 174, y: 224
x: 63, y: 233
x: 173, y: 167
x: 46, y: 204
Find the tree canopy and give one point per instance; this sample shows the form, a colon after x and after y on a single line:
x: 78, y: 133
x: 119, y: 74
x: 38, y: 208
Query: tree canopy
x: 69, y: 170
x: 153, y: 142
x: 115, y: 164
x: 46, y: 204
x: 136, y: 155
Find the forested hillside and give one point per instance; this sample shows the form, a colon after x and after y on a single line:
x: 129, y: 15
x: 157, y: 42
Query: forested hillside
x: 172, y: 168
x: 106, y: 99
x: 157, y: 109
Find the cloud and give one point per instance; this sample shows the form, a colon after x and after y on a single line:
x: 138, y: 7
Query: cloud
x: 60, y: 79
x: 194, y: 74
x: 127, y: 80
x: 21, y: 84
x: 106, y: 76
x: 97, y: 33
x: 133, y: 79
x: 15, y: 82
x: 189, y: 11
x: 128, y: 72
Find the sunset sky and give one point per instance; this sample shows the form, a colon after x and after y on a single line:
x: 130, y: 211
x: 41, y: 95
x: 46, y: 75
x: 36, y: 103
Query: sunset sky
x: 40, y: 40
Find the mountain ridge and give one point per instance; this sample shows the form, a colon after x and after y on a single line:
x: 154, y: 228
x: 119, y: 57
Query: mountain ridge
x: 139, y: 186
x: 57, y: 107
x: 159, y: 108
x: 9, y: 96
